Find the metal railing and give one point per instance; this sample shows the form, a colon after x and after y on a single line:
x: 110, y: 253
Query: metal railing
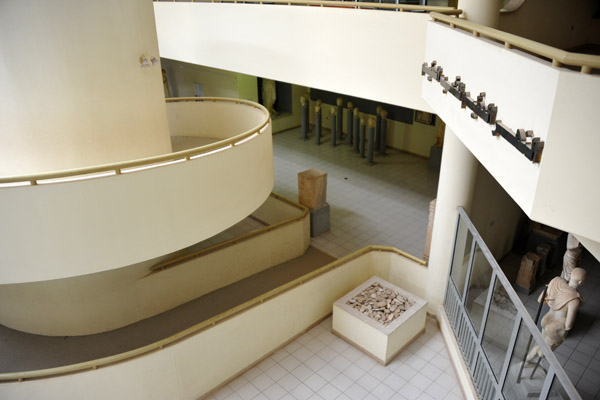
x: 99, y: 171
x: 558, y: 57
x: 495, y: 332
x: 343, y: 4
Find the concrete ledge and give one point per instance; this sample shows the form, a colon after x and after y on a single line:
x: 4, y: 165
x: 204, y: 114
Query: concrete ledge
x: 460, y: 367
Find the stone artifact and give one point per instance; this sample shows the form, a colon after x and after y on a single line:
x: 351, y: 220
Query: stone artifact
x: 564, y: 300
x: 380, y: 303
x: 312, y: 188
x: 572, y: 256
x: 528, y: 270
x: 543, y: 250
x: 312, y: 193
x: 304, y: 117
x: 383, y: 136
x: 333, y: 126
x: 349, y: 124
x: 371, y: 141
x: 318, y: 127
x: 339, y: 118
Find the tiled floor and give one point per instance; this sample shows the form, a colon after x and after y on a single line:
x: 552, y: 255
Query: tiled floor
x: 319, y: 365
x: 385, y: 204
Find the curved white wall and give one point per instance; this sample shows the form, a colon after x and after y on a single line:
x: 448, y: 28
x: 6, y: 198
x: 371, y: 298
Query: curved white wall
x: 68, y: 229
x: 372, y: 54
x: 94, y: 303
x: 72, y: 90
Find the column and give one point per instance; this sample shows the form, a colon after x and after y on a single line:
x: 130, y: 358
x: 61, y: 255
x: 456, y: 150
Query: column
x: 483, y: 12
x: 304, y: 118
x: 349, y: 125
x: 318, y: 127
x: 333, y: 126
x: 455, y: 188
x: 339, y: 118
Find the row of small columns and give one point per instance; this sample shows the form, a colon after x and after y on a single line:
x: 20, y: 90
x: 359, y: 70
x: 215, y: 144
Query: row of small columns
x: 364, y: 142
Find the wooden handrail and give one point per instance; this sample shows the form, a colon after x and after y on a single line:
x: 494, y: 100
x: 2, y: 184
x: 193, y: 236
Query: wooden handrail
x: 149, y: 161
x: 94, y: 364
x: 559, y: 57
x: 343, y: 4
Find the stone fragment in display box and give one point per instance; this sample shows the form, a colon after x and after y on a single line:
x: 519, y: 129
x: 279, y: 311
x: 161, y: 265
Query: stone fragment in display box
x: 383, y: 338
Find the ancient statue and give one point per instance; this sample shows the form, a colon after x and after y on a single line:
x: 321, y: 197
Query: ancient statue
x: 564, y: 300
x: 572, y: 256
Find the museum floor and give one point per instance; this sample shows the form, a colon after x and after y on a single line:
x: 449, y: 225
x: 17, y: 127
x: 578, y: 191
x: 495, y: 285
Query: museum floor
x: 320, y: 366
x: 385, y: 204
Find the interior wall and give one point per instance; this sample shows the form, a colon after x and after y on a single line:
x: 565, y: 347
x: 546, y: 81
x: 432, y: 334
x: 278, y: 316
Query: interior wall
x: 275, y: 43
x: 94, y: 303
x: 72, y: 90
x: 558, y: 23
x: 495, y: 214
x: 215, y: 82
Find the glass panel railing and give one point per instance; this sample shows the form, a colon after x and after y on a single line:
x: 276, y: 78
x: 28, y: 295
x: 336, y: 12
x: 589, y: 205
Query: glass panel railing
x: 498, y: 328
x: 479, y: 284
x: 526, y: 372
x: 462, y: 253
x: 500, y: 343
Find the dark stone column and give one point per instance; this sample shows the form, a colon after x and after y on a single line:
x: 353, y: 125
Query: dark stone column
x: 304, y: 118
x: 378, y: 128
x: 371, y: 141
x: 362, y: 137
x: 339, y: 118
x: 318, y: 128
x: 355, y: 129
x: 333, y: 125
x: 384, y: 123
x: 349, y: 119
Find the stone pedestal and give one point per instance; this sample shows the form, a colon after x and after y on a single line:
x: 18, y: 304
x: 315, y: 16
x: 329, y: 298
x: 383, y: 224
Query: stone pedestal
x: 382, y: 342
x: 319, y: 220
x: 312, y: 193
x: 429, y: 230
x: 527, y: 272
x: 312, y: 188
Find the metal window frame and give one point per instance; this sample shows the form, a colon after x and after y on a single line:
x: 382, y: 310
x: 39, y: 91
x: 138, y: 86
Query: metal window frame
x: 467, y: 336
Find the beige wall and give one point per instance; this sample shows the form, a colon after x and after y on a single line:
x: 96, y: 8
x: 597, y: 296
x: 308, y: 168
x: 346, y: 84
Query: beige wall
x: 558, y: 23
x: 495, y: 215
x: 276, y: 43
x: 72, y: 91
x: 115, y: 221
x: 96, y: 302
x: 228, y: 348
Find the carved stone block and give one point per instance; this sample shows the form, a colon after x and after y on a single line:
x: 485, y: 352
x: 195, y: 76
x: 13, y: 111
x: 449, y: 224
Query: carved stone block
x: 528, y: 270
x: 312, y: 188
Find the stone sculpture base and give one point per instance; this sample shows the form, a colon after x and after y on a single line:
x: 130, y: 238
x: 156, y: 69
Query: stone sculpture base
x: 319, y: 220
x: 380, y: 342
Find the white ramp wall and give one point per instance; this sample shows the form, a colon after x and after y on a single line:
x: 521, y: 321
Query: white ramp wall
x: 366, y: 53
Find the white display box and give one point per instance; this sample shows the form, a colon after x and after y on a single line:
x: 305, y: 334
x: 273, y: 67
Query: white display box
x: 381, y: 342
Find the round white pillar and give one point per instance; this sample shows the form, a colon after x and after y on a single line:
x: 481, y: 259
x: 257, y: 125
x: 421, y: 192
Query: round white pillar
x: 456, y: 184
x: 483, y: 12
x: 72, y: 90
